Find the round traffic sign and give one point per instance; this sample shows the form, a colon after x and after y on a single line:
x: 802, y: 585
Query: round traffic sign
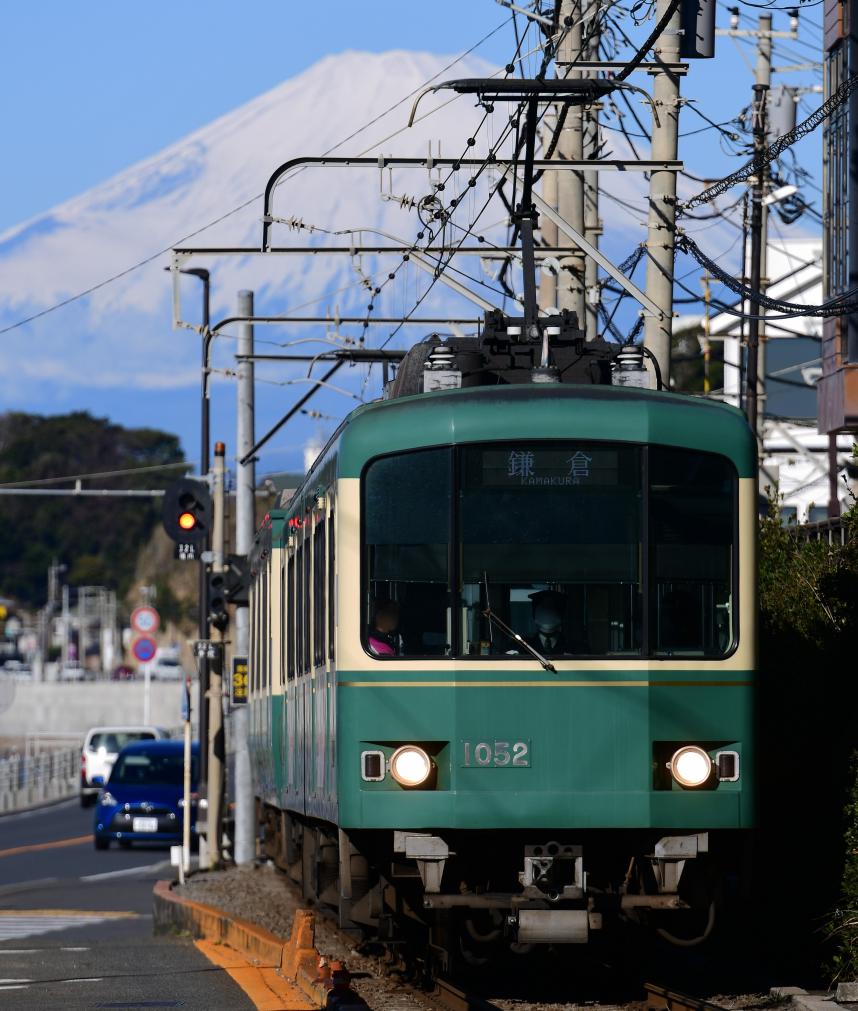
x: 145, y: 620
x: 144, y: 648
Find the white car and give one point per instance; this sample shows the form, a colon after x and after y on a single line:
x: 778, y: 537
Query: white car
x: 100, y: 749
x: 167, y: 668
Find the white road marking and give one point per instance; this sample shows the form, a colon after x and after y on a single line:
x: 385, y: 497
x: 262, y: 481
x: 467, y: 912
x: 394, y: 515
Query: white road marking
x: 127, y: 872
x: 84, y: 979
x: 65, y: 949
x: 5, y: 981
x: 19, y: 927
x: 21, y: 951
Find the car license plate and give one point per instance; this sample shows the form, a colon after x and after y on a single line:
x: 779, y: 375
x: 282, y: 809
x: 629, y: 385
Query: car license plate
x: 144, y: 824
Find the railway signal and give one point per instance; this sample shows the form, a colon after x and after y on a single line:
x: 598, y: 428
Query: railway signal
x: 187, y: 515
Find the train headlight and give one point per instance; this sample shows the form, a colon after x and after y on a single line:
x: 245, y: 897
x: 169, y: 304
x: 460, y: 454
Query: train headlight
x: 410, y: 765
x: 690, y: 766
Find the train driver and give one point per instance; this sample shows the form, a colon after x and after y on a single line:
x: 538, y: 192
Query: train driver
x: 549, y: 609
x: 383, y: 638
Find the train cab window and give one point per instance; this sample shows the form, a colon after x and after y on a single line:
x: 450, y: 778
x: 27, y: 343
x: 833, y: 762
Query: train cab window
x: 551, y: 542
x: 407, y: 516
x: 692, y: 532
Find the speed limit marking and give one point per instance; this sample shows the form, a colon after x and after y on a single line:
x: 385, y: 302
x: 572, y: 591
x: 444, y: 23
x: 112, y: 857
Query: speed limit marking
x: 145, y: 620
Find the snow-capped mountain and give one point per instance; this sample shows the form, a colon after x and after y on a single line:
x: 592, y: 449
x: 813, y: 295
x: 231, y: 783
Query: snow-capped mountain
x: 206, y: 191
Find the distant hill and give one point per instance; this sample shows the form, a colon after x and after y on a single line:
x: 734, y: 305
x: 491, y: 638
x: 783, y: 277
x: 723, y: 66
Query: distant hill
x: 97, y: 539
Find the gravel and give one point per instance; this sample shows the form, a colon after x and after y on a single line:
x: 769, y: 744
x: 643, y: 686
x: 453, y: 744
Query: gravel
x: 264, y: 896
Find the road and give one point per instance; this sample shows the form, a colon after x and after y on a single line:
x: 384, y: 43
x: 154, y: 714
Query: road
x: 76, y: 924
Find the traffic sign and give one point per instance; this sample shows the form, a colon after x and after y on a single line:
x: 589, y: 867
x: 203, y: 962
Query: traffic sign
x: 145, y: 620
x: 144, y: 648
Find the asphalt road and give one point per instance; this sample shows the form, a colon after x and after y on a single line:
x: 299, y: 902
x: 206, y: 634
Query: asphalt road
x: 76, y: 924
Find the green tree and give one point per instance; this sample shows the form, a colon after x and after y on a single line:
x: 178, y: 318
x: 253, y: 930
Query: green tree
x: 98, y: 539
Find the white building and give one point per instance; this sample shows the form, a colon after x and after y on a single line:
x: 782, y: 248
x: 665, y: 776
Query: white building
x: 795, y: 457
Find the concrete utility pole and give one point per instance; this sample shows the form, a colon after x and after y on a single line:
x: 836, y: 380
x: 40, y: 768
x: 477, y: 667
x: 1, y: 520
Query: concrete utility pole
x: 592, y: 225
x: 661, y: 230
x: 245, y: 525
x: 762, y: 77
x: 570, y: 185
x: 547, y: 228
x: 214, y: 820
x: 757, y: 256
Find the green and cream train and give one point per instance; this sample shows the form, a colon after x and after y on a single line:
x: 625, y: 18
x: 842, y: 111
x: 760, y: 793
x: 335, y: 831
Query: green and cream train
x: 503, y: 658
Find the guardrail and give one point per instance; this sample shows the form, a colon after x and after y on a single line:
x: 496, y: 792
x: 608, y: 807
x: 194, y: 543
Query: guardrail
x: 27, y: 780
x: 834, y: 531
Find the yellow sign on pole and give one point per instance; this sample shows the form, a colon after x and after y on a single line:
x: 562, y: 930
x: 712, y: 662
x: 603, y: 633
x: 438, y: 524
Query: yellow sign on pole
x: 238, y: 692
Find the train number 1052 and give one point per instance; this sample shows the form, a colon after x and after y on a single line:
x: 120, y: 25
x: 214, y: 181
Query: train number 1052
x: 496, y: 754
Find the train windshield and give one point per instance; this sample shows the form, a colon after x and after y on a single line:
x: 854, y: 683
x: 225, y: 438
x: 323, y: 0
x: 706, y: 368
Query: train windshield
x: 583, y: 549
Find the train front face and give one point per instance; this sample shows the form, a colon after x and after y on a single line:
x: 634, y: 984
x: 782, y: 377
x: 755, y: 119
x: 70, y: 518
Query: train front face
x: 545, y: 695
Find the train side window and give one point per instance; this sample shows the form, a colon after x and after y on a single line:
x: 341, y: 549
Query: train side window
x: 692, y: 549
x: 290, y: 618
x: 332, y: 589
x: 406, y: 510
x: 299, y: 609
x: 319, y: 575
x: 251, y: 645
x: 305, y: 596
x: 282, y: 623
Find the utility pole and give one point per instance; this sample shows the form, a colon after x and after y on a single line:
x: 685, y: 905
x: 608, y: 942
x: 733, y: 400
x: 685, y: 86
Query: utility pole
x: 245, y: 524
x: 570, y: 185
x: 592, y: 225
x: 548, y: 230
x: 757, y: 193
x: 661, y: 227
x: 214, y: 819
x: 762, y: 78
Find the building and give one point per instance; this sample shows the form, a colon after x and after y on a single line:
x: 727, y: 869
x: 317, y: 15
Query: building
x: 795, y: 452
x: 838, y: 387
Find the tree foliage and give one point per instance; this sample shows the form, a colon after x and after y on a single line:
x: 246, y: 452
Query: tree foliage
x: 97, y: 539
x: 808, y: 735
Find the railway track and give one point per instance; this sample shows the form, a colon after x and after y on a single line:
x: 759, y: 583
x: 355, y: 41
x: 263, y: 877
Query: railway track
x: 660, y: 998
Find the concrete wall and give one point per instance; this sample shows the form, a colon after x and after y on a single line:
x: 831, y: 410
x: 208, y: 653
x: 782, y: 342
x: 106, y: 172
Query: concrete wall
x: 30, y: 708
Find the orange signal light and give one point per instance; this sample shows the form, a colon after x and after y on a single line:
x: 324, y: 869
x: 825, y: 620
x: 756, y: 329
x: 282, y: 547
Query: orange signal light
x: 187, y: 521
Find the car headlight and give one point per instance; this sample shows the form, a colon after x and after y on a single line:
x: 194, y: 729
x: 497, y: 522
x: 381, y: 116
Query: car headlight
x: 107, y: 799
x: 410, y: 765
x: 690, y: 766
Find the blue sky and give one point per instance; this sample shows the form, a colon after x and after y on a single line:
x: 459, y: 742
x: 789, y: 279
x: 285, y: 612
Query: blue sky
x: 90, y: 88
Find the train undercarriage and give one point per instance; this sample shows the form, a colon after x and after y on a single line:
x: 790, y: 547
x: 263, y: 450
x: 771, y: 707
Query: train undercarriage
x: 484, y: 893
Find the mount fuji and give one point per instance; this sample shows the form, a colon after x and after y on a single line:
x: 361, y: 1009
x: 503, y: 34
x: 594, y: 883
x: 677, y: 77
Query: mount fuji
x: 114, y: 351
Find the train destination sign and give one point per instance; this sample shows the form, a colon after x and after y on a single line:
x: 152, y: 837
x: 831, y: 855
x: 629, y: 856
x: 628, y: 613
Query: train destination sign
x: 238, y: 692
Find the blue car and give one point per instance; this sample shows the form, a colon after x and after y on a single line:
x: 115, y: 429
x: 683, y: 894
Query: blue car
x: 143, y: 799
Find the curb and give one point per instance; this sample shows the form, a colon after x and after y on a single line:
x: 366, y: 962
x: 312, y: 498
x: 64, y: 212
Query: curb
x: 297, y: 959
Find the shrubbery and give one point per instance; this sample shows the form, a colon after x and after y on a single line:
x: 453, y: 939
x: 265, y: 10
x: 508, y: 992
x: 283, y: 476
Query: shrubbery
x: 808, y: 711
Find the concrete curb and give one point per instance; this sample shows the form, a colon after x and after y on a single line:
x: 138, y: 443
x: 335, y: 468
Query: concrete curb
x: 801, y: 1000
x: 297, y: 959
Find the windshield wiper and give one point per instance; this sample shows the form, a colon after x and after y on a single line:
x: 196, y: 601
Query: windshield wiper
x: 502, y: 625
